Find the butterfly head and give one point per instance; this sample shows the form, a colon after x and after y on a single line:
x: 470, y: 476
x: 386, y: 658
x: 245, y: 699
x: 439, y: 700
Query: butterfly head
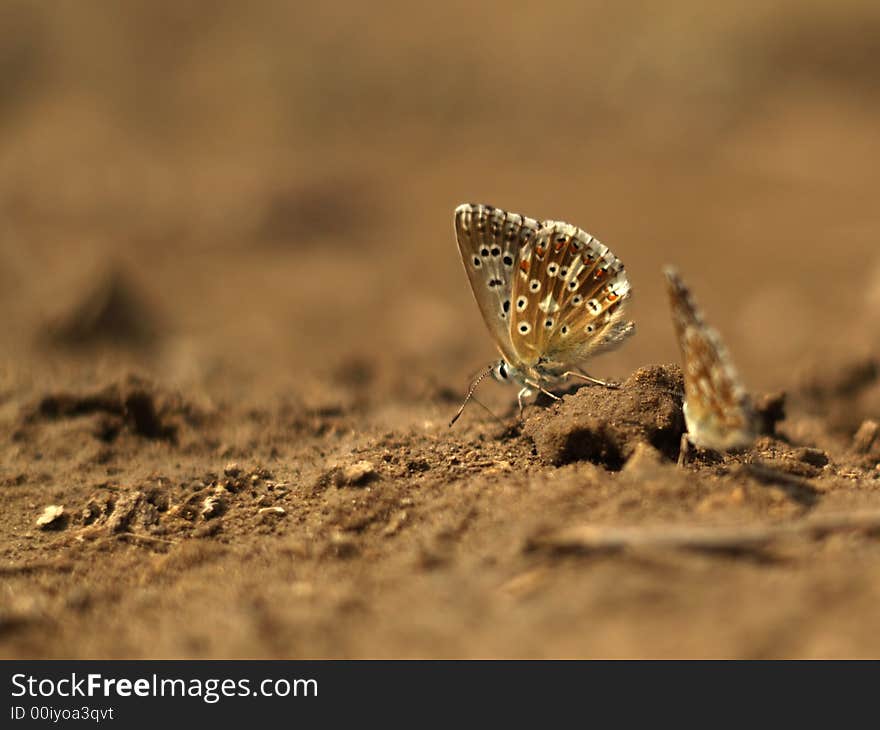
x: 504, y: 372
x: 501, y: 371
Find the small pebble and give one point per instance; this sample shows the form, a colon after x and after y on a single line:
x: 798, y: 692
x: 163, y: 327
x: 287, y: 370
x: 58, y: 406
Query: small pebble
x: 51, y: 518
x: 213, y: 506
x: 232, y: 469
x: 358, y: 473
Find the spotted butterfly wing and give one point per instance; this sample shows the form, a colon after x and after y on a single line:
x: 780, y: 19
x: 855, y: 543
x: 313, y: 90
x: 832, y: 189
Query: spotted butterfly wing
x: 490, y: 241
x: 717, y: 409
x: 567, y: 298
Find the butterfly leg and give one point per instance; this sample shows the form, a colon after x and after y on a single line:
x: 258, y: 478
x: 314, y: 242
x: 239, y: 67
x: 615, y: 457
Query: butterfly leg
x: 684, y: 449
x: 532, y: 384
x: 527, y: 391
x: 590, y: 379
x: 524, y: 393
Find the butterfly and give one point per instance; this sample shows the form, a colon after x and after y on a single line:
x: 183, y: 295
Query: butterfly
x: 550, y: 294
x: 717, y: 410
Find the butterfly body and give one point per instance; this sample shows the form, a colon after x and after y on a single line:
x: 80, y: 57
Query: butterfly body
x: 529, y: 378
x: 550, y: 293
x: 717, y: 410
x: 705, y: 431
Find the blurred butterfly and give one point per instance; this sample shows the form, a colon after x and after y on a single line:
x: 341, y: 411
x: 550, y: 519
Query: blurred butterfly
x: 717, y: 410
x: 550, y: 294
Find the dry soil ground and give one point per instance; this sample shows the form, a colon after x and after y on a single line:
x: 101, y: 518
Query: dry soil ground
x: 228, y: 279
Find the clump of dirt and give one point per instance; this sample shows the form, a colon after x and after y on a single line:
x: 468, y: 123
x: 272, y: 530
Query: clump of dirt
x: 605, y: 425
x: 129, y: 404
x: 160, y: 511
x: 360, y: 473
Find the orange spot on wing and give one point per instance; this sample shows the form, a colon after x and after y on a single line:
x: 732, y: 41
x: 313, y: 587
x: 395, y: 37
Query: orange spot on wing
x: 524, y: 266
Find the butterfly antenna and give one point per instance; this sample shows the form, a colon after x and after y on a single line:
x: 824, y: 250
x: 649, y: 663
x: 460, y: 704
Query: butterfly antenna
x: 470, y: 393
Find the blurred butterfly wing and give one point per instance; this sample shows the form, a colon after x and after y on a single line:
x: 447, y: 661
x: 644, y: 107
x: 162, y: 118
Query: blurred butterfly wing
x: 490, y: 241
x: 567, y: 298
x: 684, y: 310
x: 717, y: 408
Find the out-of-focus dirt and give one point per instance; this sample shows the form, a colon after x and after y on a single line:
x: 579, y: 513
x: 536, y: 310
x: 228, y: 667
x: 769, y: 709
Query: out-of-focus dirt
x: 236, y: 327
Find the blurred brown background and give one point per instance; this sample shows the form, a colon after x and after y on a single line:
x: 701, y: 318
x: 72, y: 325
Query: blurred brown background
x: 276, y: 179
x: 251, y: 205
